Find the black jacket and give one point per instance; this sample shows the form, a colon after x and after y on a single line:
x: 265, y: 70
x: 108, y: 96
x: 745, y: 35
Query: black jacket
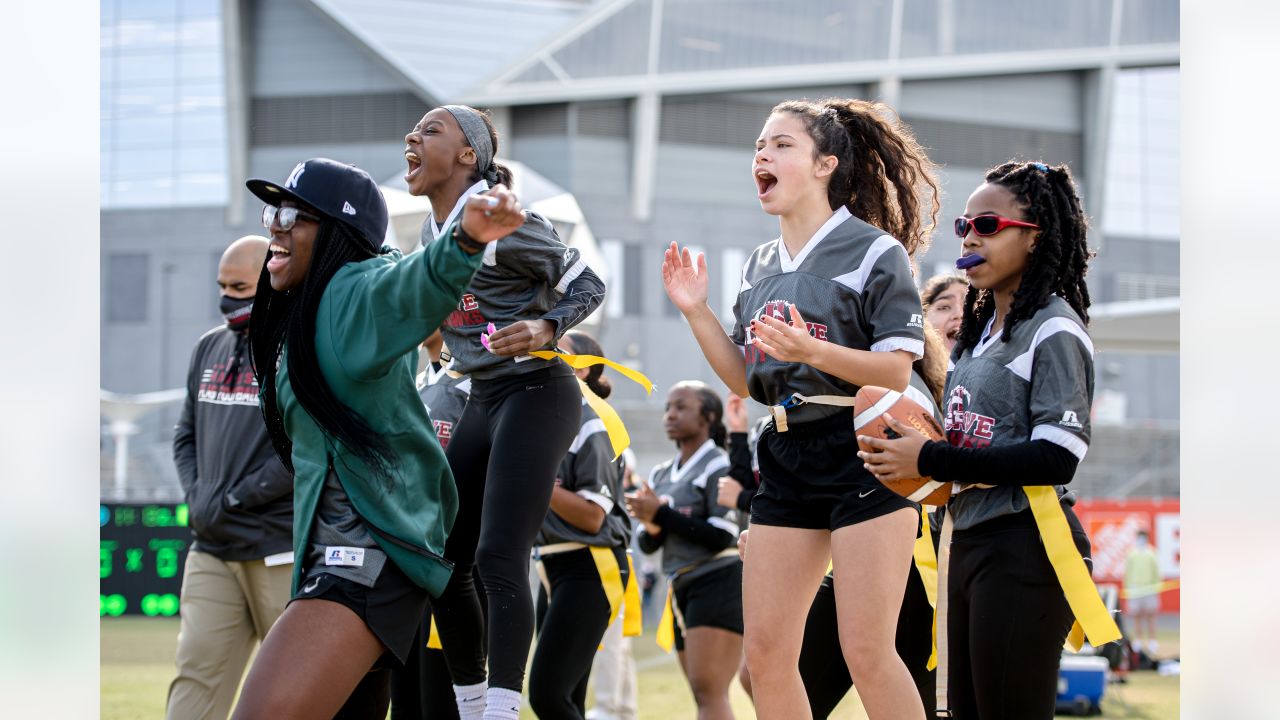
x: 239, y: 495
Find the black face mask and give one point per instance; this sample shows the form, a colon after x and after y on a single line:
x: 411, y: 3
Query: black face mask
x: 236, y: 311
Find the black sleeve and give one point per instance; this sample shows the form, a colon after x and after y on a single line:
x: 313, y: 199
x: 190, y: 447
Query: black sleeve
x: 1035, y: 462
x: 740, y: 459
x: 649, y: 544
x: 692, y: 529
x: 583, y: 295
x: 270, y: 481
x: 184, y: 433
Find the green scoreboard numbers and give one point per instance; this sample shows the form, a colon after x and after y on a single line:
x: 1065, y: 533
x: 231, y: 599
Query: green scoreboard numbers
x: 141, y: 554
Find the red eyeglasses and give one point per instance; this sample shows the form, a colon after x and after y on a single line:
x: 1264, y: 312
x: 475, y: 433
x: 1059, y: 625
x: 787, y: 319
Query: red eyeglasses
x: 989, y: 224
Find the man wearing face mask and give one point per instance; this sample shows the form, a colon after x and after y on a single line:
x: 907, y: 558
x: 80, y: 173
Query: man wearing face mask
x: 240, y: 497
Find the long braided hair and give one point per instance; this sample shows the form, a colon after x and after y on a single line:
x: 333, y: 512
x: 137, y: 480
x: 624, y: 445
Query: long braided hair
x: 883, y: 175
x: 289, y: 318
x: 1059, y: 261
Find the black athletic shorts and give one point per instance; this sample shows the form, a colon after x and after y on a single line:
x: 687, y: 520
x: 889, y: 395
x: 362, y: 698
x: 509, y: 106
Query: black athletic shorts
x: 393, y: 608
x: 710, y: 600
x: 811, y: 477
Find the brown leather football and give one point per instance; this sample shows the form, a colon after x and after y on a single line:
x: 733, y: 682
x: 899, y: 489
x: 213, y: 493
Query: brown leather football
x: 870, y: 407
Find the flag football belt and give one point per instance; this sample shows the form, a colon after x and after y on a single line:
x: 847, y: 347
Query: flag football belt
x: 619, y: 439
x: 622, y: 596
x: 1092, y: 619
x: 666, y: 637
x: 779, y: 412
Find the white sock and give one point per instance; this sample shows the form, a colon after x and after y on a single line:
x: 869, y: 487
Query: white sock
x: 470, y: 700
x: 502, y: 704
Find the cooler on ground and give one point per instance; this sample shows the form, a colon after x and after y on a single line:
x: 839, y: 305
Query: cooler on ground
x: 1081, y: 682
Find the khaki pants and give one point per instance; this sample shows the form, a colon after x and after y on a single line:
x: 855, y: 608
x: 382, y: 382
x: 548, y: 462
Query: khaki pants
x: 225, y: 607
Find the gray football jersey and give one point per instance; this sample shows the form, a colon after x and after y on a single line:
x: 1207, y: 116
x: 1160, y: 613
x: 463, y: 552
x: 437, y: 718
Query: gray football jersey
x: 691, y: 490
x: 590, y: 471
x: 522, y: 277
x: 444, y: 396
x: 853, y: 285
x: 1037, y: 386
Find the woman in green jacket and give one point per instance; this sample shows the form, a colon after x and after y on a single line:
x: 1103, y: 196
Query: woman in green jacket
x: 334, y: 349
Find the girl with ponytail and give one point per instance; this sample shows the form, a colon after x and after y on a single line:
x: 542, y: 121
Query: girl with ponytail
x: 828, y: 307
x: 521, y: 418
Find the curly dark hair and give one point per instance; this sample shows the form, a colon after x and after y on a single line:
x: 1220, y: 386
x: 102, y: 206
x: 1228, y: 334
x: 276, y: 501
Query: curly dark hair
x: 883, y: 175
x: 1059, y: 261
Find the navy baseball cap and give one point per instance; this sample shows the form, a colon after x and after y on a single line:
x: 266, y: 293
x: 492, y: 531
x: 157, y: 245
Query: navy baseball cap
x: 338, y: 191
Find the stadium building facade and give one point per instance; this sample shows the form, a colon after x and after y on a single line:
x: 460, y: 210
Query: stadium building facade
x: 647, y: 111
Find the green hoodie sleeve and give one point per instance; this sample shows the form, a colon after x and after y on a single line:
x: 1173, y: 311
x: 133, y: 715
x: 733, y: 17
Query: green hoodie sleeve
x: 383, y: 310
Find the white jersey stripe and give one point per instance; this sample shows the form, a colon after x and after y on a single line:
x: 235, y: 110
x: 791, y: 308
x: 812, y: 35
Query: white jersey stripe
x: 598, y: 499
x: 1062, y: 438
x: 589, y: 428
x: 716, y: 465
x: 570, y: 275
x: 911, y: 345
x: 857, y: 280
x: 725, y: 525
x: 1021, y: 365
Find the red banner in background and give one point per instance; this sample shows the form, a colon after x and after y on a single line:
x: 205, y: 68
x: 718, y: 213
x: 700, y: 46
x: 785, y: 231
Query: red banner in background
x: 1112, y: 526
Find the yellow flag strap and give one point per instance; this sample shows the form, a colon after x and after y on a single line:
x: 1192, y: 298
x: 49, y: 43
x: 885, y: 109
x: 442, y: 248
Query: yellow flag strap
x: 1091, y: 614
x: 632, y: 620
x: 927, y: 565
x: 579, y: 362
x: 619, y: 438
x: 433, y: 639
x: 610, y: 578
x: 666, y: 637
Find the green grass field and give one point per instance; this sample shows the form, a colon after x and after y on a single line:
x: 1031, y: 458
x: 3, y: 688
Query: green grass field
x: 137, y: 665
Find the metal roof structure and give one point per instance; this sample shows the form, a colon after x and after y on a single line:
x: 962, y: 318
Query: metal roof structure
x: 444, y: 47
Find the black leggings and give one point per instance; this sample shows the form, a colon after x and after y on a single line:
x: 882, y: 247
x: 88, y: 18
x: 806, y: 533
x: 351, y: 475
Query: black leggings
x: 570, y: 627
x: 504, y: 454
x: 423, y: 689
x: 1007, y: 619
x: 822, y: 667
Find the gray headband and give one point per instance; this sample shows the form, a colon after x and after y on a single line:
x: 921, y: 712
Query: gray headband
x: 477, y: 134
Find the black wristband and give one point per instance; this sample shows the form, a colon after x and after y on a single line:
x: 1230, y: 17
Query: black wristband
x: 468, y: 245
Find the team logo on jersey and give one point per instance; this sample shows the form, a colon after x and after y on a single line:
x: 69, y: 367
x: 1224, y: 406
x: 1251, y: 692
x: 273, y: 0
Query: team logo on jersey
x: 444, y: 431
x: 1070, y: 420
x: 916, y: 321
x: 468, y: 313
x: 966, y: 428
x: 777, y: 309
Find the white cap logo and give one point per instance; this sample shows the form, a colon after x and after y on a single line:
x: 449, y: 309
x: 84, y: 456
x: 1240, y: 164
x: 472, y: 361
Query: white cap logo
x: 346, y: 208
x: 298, y: 169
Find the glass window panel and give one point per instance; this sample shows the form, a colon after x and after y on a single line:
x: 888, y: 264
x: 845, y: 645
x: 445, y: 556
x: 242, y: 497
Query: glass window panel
x: 203, y: 128
x: 202, y: 159
x: 148, y: 100
x: 146, y: 68
x: 201, y: 189
x: 148, y: 163
x: 200, y: 33
x: 156, y: 35
x: 148, y: 10
x: 200, y: 8
x: 205, y: 96
x: 153, y: 131
x: 199, y: 64
x: 147, y: 192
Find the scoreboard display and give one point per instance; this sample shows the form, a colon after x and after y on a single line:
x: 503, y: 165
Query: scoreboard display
x: 143, y: 548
